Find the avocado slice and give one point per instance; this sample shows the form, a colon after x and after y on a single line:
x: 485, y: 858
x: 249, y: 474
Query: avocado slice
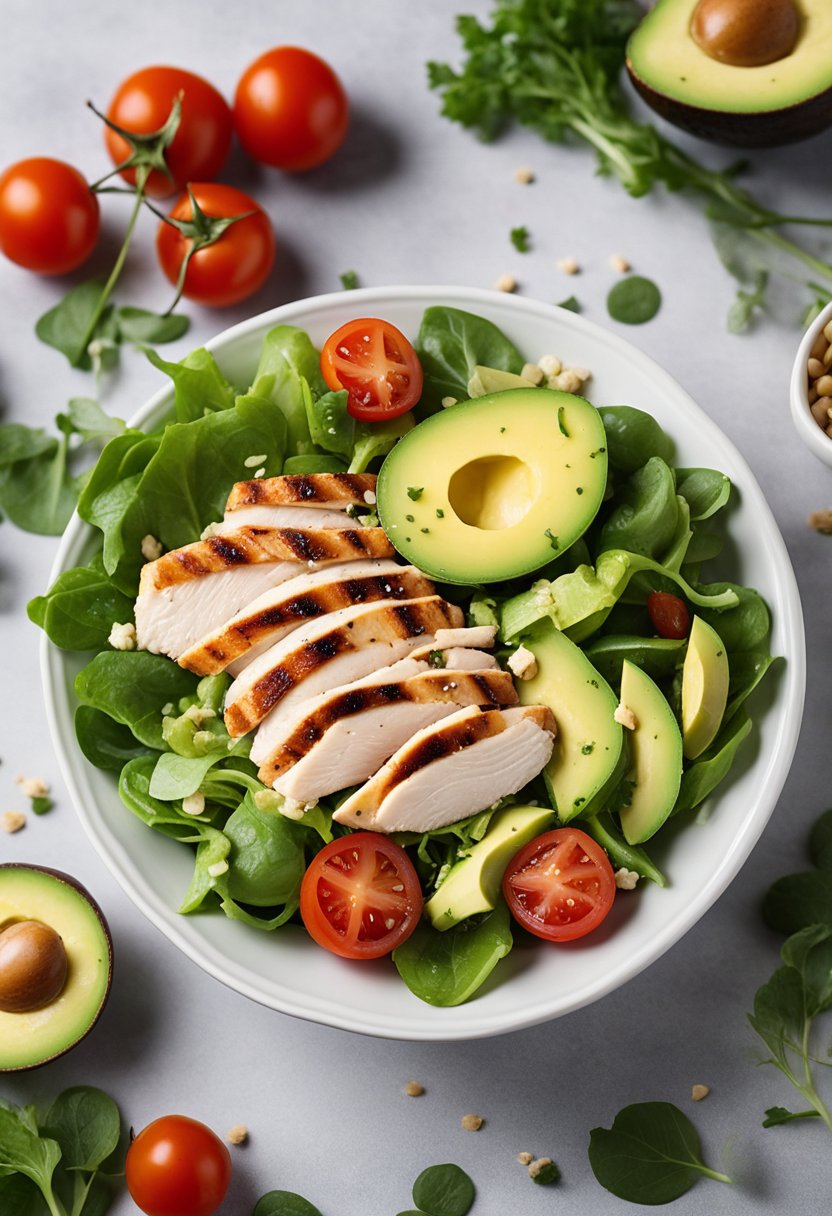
x: 495, y: 487
x: 590, y: 753
x: 29, y: 1038
x: 705, y: 678
x: 656, y: 747
x: 771, y: 103
x: 494, y: 380
x: 473, y: 884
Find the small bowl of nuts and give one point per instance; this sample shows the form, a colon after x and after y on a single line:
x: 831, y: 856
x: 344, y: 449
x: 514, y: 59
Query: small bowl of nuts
x: 811, y: 387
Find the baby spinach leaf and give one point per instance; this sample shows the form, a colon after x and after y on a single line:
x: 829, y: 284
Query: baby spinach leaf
x: 163, y: 817
x: 211, y: 851
x: 19, y: 1196
x: 645, y: 512
x: 571, y: 304
x: 634, y: 300
x: 602, y: 828
x: 706, y: 491
x: 105, y: 743
x: 80, y: 608
x: 798, y: 900
x: 131, y: 686
x: 199, y: 385
x: 706, y: 772
x: 314, y: 464
x: 743, y: 626
x: 267, y: 855
x: 633, y: 437
x: 330, y: 425
x: 650, y: 1155
x: 376, y: 439
x: 66, y: 325
x: 140, y: 326
x: 124, y: 456
x: 284, y: 1203
x: 23, y: 1151
x: 39, y: 494
x: 820, y: 842
x: 448, y: 968
x: 86, y: 1124
x: 444, y: 1190
x: 287, y: 361
x: 659, y: 657
x: 747, y: 669
x: 450, y: 345
x: 176, y: 777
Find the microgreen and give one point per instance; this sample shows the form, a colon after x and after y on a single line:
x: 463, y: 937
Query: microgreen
x: 634, y: 300
x: 414, y: 493
x: 349, y: 280
x: 519, y: 238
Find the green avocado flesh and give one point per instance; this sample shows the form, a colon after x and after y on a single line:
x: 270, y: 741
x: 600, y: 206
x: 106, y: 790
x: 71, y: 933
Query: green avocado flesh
x: 656, y: 750
x: 496, y: 487
x: 664, y: 56
x: 590, y: 753
x: 473, y: 884
x: 29, y: 1039
x: 705, y: 680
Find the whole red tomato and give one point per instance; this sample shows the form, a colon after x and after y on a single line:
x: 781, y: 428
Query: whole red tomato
x: 290, y: 109
x: 178, y: 1167
x: 49, y: 218
x: 142, y: 104
x: 232, y: 268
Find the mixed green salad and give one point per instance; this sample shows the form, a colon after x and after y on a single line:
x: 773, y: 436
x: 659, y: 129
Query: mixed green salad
x: 618, y: 604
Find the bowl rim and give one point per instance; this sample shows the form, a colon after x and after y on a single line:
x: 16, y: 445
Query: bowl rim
x: 435, y: 1027
x: 816, y: 441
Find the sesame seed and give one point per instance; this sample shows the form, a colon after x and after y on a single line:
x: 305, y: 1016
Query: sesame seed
x: 261, y: 472
x: 251, y: 462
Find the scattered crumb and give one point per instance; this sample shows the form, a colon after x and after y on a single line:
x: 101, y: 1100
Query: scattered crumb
x: 699, y: 1092
x: 821, y: 521
x: 471, y: 1123
x: 218, y: 869
x: 151, y: 548
x: 209, y: 531
x: 544, y: 1171
x: 12, y: 821
x: 413, y: 1089
x: 624, y: 716
x: 447, y: 402
x: 194, y: 804
x: 550, y: 365
x: 370, y: 497
x: 625, y: 879
x: 533, y: 372
x: 167, y: 709
x: 525, y: 1158
x: 522, y: 663
x: 524, y: 176
x: 568, y: 266
x: 568, y: 381
x: 33, y: 787
x: 238, y: 1134
x: 506, y: 282
x: 619, y: 263
x: 123, y: 637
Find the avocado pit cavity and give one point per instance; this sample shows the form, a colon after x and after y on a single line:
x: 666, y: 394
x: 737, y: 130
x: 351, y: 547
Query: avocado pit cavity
x: 493, y: 492
x: 33, y: 966
x: 746, y: 33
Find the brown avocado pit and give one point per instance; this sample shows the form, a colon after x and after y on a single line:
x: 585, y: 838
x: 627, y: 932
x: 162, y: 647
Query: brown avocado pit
x: 33, y: 966
x: 746, y: 33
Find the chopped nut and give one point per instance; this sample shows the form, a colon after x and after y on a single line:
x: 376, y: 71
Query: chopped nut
x: 568, y: 266
x: 821, y: 521
x: 625, y: 879
x: 524, y: 176
x: 369, y: 497
x: 506, y: 282
x: 447, y: 402
x: 619, y: 263
x: 544, y: 1170
x: 413, y: 1089
x: 151, y: 548
x: 12, y: 821
x: 550, y: 365
x: 568, y: 381
x: 472, y: 1123
x: 290, y: 808
x: 123, y: 637
x: 193, y: 804
x: 218, y: 869
x: 33, y: 787
x: 624, y: 716
x: 199, y: 714
x: 525, y: 1158
x: 209, y: 531
x: 533, y: 372
x: 238, y: 1134
x: 699, y: 1092
x: 522, y: 663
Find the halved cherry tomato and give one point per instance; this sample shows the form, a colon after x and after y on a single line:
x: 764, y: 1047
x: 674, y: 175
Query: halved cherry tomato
x: 236, y: 265
x: 142, y: 104
x: 669, y: 614
x: 560, y: 886
x: 48, y: 215
x: 178, y: 1167
x: 361, y: 897
x: 290, y: 109
x: 377, y: 366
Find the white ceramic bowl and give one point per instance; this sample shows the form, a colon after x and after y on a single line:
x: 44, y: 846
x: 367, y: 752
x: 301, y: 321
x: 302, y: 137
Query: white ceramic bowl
x: 285, y: 970
x: 815, y: 439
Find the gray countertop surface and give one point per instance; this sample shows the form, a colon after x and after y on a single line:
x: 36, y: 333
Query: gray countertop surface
x: 414, y: 199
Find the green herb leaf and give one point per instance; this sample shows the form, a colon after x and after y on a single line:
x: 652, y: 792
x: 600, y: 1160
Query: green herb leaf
x: 650, y: 1155
x: 414, y: 493
x: 447, y: 968
x: 80, y: 608
x: 66, y: 325
x: 105, y: 743
x: 443, y: 1190
x: 284, y: 1203
x: 349, y: 280
x: 520, y: 239
x: 634, y: 300
x: 741, y: 313
x: 86, y: 1124
x: 141, y: 326
x: 23, y: 1151
x: 798, y: 900
x: 633, y: 437
x: 131, y: 686
x: 777, y: 1115
x: 451, y: 345
x: 571, y: 304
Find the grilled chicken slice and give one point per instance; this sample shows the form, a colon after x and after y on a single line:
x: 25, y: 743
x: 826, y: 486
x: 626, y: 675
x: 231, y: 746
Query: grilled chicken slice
x: 342, y: 646
x: 283, y: 517
x: 335, y: 491
x: 452, y: 769
x: 351, y: 731
x: 269, y: 617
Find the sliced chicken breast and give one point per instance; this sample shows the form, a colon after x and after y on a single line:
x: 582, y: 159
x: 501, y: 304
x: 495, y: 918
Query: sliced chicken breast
x: 342, y: 646
x: 345, y: 738
x: 268, y: 618
x: 335, y: 491
x: 471, y: 635
x: 283, y: 517
x: 452, y: 769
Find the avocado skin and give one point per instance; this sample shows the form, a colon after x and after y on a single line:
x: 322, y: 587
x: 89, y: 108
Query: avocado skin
x: 764, y: 129
x: 63, y: 877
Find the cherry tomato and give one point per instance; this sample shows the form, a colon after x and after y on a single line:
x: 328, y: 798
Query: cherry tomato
x: 142, y: 104
x: 290, y: 109
x: 560, y: 886
x: 236, y: 265
x: 669, y: 614
x: 178, y: 1167
x: 361, y: 897
x: 377, y: 366
x: 49, y: 218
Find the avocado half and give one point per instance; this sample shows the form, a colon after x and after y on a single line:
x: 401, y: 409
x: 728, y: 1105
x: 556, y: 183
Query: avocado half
x: 35, y: 893
x: 750, y: 107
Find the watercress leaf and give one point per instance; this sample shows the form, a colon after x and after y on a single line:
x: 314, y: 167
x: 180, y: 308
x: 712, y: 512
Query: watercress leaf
x: 86, y: 1124
x: 447, y: 968
x: 633, y: 437
x: 138, y: 325
x: 79, y: 609
x: 809, y: 952
x: 89, y: 420
x: 820, y: 842
x: 645, y: 512
x: 19, y: 442
x: 19, y: 1196
x: 650, y: 1155
x: 777, y: 1115
x: 314, y: 464
x: 284, y: 1203
x: 376, y: 439
x: 66, y: 325
x: 797, y: 900
x: 23, y: 1150
x: 131, y: 686
x: 745, y: 625
x: 779, y: 1016
x: 706, y: 491
x: 105, y: 743
x: 706, y: 772
x: 451, y: 343
x: 444, y: 1190
x: 634, y: 300
x: 200, y: 387
x: 266, y: 860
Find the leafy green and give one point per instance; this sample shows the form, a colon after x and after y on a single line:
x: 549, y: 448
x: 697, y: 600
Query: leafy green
x: 287, y: 361
x: 80, y: 608
x: 451, y: 344
x: 650, y: 1155
x: 284, y: 1203
x: 658, y: 657
x: 447, y: 968
x: 633, y: 437
x: 634, y: 300
x: 778, y: 1115
x: 701, y: 777
x: 571, y: 304
x: 199, y: 386
x: 601, y: 827
x: 645, y: 512
x: 86, y: 1124
x: 520, y: 239
x: 443, y: 1190
x: 706, y: 491
x: 335, y: 430
x: 743, y: 625
x: 820, y: 842
x: 104, y: 742
x: 130, y: 686
x: 267, y: 856
x: 66, y: 325
x: 796, y: 901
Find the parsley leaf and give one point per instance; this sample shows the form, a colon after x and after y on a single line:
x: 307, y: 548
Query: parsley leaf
x: 520, y: 239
